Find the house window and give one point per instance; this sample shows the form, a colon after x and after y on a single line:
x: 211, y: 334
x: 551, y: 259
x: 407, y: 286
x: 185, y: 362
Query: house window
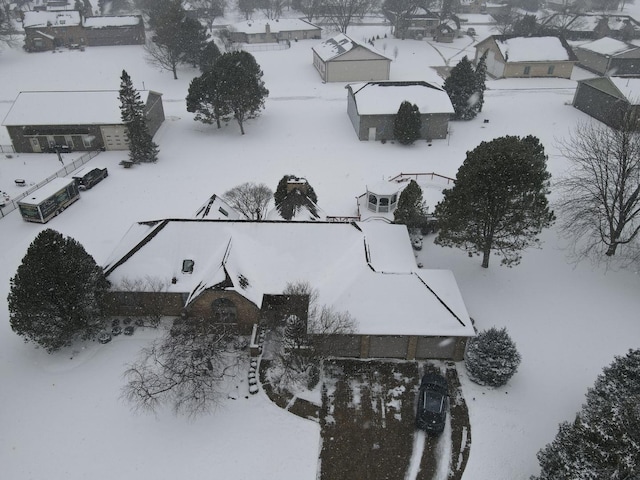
x: 87, y: 141
x: 527, y: 70
x: 187, y: 266
x: 38, y: 43
x: 550, y: 69
x: 224, y: 310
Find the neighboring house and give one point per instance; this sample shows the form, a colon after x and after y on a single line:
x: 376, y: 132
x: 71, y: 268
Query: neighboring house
x: 49, y: 30
x: 114, y: 30
x: 422, y: 23
x: 518, y: 57
x: 380, y: 200
x: 217, y: 208
x: 586, y: 26
x: 605, y: 98
x: 272, y: 31
x: 342, y: 59
x: 446, y: 32
x: 46, y: 30
x: 608, y: 56
x: 235, y: 273
x: 372, y: 108
x: 80, y: 120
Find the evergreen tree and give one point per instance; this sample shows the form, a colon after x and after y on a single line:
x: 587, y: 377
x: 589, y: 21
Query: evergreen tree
x: 232, y: 87
x: 481, y: 81
x: 462, y: 88
x: 141, y: 145
x: 410, y: 210
x: 56, y: 296
x: 499, y: 200
x: 208, y: 56
x: 407, y: 124
x: 206, y: 98
x: 491, y: 357
x: 88, y: 8
x: 604, y: 440
x: 289, y: 200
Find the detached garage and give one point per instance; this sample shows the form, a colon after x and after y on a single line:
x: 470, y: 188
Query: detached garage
x: 78, y: 120
x: 341, y: 59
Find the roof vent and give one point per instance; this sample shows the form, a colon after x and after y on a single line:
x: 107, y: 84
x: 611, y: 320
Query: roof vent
x: 187, y: 266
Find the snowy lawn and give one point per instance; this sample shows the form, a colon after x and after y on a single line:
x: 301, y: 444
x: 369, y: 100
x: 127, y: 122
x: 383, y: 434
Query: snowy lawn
x: 62, y: 417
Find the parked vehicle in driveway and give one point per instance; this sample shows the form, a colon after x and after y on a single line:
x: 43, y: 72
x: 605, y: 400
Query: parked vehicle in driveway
x: 87, y: 177
x: 433, y: 400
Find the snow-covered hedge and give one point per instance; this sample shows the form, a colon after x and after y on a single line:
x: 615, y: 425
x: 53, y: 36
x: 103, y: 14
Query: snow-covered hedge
x: 491, y: 357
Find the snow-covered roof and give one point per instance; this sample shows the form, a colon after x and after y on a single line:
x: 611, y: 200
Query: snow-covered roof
x: 384, y: 98
x: 339, y: 45
x: 608, y: 46
x: 54, y: 19
x: 275, y: 26
x: 629, y: 87
x: 217, y: 208
x: 365, y: 268
x: 94, y: 107
x: 533, y: 49
x: 112, y: 21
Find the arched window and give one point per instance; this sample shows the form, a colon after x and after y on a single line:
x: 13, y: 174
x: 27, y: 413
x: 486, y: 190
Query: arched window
x: 373, y: 203
x: 224, y: 310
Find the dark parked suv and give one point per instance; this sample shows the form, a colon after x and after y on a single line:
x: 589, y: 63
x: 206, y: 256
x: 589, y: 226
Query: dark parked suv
x: 432, y: 404
x: 89, y: 176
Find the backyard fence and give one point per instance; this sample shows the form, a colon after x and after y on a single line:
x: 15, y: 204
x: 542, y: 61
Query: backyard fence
x: 11, y: 205
x: 261, y: 47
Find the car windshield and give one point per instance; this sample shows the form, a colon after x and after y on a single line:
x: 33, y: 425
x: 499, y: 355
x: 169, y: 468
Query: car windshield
x: 432, y: 402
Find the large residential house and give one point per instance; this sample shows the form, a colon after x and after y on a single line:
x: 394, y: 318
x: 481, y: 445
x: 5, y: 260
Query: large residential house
x: 48, y: 30
x: 524, y: 57
x: 273, y: 31
x: 342, y: 59
x: 79, y: 120
x: 235, y: 273
x: 372, y: 108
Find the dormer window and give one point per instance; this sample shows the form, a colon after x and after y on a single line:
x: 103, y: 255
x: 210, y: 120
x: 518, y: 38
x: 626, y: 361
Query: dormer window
x: 187, y: 266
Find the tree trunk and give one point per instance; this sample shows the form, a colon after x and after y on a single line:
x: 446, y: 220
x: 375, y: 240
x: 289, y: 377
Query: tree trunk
x: 611, y: 251
x: 485, y: 258
x: 175, y: 71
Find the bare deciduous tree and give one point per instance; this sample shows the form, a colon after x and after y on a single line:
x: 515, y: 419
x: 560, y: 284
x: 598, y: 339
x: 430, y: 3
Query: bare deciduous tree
x: 250, y: 199
x: 299, y: 359
x: 600, y: 195
x: 151, y: 311
x: 341, y: 13
x: 183, y: 369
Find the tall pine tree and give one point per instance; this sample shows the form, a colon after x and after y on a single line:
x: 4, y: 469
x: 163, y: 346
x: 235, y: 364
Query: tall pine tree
x: 141, y: 145
x: 481, y: 81
x: 465, y: 89
x: 56, y: 296
x: 411, y: 209
x: 407, y: 123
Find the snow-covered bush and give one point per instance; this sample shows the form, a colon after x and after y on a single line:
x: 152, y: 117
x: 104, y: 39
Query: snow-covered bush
x: 491, y: 357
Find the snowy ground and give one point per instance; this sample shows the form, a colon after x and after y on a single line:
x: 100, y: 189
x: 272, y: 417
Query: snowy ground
x: 62, y: 417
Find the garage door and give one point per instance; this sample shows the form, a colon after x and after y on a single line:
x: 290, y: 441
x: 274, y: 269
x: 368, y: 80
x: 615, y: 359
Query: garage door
x: 436, y: 347
x: 388, y: 346
x: 114, y: 137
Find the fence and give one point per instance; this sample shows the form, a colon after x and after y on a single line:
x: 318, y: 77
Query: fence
x: 13, y: 204
x: 261, y: 47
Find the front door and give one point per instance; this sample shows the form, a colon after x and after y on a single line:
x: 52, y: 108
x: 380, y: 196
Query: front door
x: 35, y: 145
x: 372, y: 134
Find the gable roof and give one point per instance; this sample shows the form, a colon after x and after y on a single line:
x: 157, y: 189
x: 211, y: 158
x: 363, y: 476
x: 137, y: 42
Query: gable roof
x: 385, y: 98
x: 531, y: 49
x: 217, y: 208
x: 92, y: 107
x: 339, y: 45
x: 275, y: 26
x: 365, y: 268
x: 608, y: 46
x: 623, y: 88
